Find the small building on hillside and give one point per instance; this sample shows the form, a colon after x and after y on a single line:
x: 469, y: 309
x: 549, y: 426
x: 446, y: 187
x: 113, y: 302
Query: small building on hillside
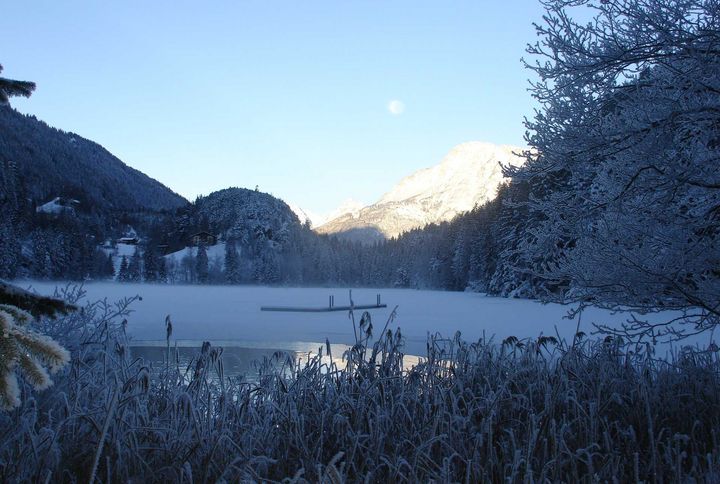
x: 203, y: 238
x: 128, y: 240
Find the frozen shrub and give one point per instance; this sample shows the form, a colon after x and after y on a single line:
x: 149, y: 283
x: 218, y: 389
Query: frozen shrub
x: 539, y: 410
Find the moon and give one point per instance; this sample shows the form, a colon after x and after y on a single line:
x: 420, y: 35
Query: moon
x: 396, y: 107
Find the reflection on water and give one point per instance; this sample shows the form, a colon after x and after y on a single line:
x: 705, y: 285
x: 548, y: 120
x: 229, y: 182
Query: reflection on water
x: 240, y: 358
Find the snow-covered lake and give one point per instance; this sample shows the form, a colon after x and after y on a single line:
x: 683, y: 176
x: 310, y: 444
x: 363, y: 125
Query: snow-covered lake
x: 230, y: 315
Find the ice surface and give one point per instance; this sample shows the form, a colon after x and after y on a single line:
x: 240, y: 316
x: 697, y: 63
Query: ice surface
x: 232, y: 313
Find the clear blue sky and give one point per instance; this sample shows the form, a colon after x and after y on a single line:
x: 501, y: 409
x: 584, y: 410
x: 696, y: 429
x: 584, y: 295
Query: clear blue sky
x: 290, y: 96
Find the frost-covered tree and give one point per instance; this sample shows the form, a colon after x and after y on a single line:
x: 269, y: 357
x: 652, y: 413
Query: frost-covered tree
x: 151, y: 264
x: 123, y: 275
x: 202, y: 268
x: 402, y: 278
x: 109, y: 268
x: 162, y: 270
x: 134, y: 269
x: 267, y: 269
x: 41, y: 264
x: 22, y: 349
x: 9, y: 250
x: 102, y: 265
x: 232, y: 263
x: 10, y: 88
x: 9, y: 244
x: 624, y: 198
x: 459, y: 264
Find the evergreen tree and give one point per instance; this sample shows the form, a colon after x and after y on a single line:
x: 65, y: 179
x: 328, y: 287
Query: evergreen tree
x: 40, y: 266
x: 10, y: 88
x: 123, y: 275
x: 22, y: 349
x: 9, y: 244
x: 402, y: 278
x: 102, y: 265
x: 232, y: 263
x: 271, y: 269
x: 162, y: 270
x: 201, y: 265
x: 9, y: 250
x: 134, y: 269
x: 109, y: 269
x: 150, y: 264
x: 459, y: 264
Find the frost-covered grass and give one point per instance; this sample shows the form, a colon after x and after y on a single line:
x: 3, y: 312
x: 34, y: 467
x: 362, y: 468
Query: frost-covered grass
x: 539, y: 409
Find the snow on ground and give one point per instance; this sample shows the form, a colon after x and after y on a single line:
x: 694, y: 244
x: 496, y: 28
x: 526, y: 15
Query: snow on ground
x: 57, y: 205
x: 232, y: 313
x: 215, y: 253
x: 122, y: 250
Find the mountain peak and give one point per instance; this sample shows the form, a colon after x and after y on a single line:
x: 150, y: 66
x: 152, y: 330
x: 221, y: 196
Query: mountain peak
x: 468, y: 175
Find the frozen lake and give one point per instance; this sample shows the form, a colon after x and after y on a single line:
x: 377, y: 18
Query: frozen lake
x: 231, y: 316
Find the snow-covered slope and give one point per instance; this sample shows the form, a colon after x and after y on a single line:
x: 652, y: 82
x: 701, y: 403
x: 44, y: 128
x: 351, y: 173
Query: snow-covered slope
x: 57, y: 205
x: 347, y: 207
x: 304, y: 215
x: 215, y: 253
x: 468, y: 175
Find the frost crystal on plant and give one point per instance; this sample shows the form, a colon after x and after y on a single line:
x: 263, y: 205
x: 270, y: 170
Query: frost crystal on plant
x: 25, y: 350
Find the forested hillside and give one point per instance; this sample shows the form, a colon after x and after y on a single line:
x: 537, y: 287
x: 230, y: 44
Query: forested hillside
x: 49, y: 162
x: 62, y: 197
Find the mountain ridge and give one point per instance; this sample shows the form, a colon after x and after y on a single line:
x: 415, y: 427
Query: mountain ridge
x: 468, y: 175
x: 50, y: 162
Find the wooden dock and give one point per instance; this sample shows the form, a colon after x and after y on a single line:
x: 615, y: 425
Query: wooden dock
x: 325, y: 309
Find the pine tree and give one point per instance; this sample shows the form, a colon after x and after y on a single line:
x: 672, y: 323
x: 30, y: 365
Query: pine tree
x: 9, y: 245
x: 40, y: 263
x: 10, y: 87
x: 201, y: 265
x: 402, y: 278
x: 150, y: 264
x: 109, y: 270
x: 123, y: 271
x: 232, y: 263
x: 271, y: 269
x: 133, y: 272
x: 162, y: 270
x: 459, y: 265
x: 23, y: 349
x: 9, y: 250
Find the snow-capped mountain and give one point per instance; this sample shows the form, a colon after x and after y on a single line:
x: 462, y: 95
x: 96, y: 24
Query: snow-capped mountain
x: 305, y: 215
x: 347, y: 207
x: 468, y: 175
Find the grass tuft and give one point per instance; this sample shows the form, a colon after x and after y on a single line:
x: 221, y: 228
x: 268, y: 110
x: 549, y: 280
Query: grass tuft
x: 522, y: 410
